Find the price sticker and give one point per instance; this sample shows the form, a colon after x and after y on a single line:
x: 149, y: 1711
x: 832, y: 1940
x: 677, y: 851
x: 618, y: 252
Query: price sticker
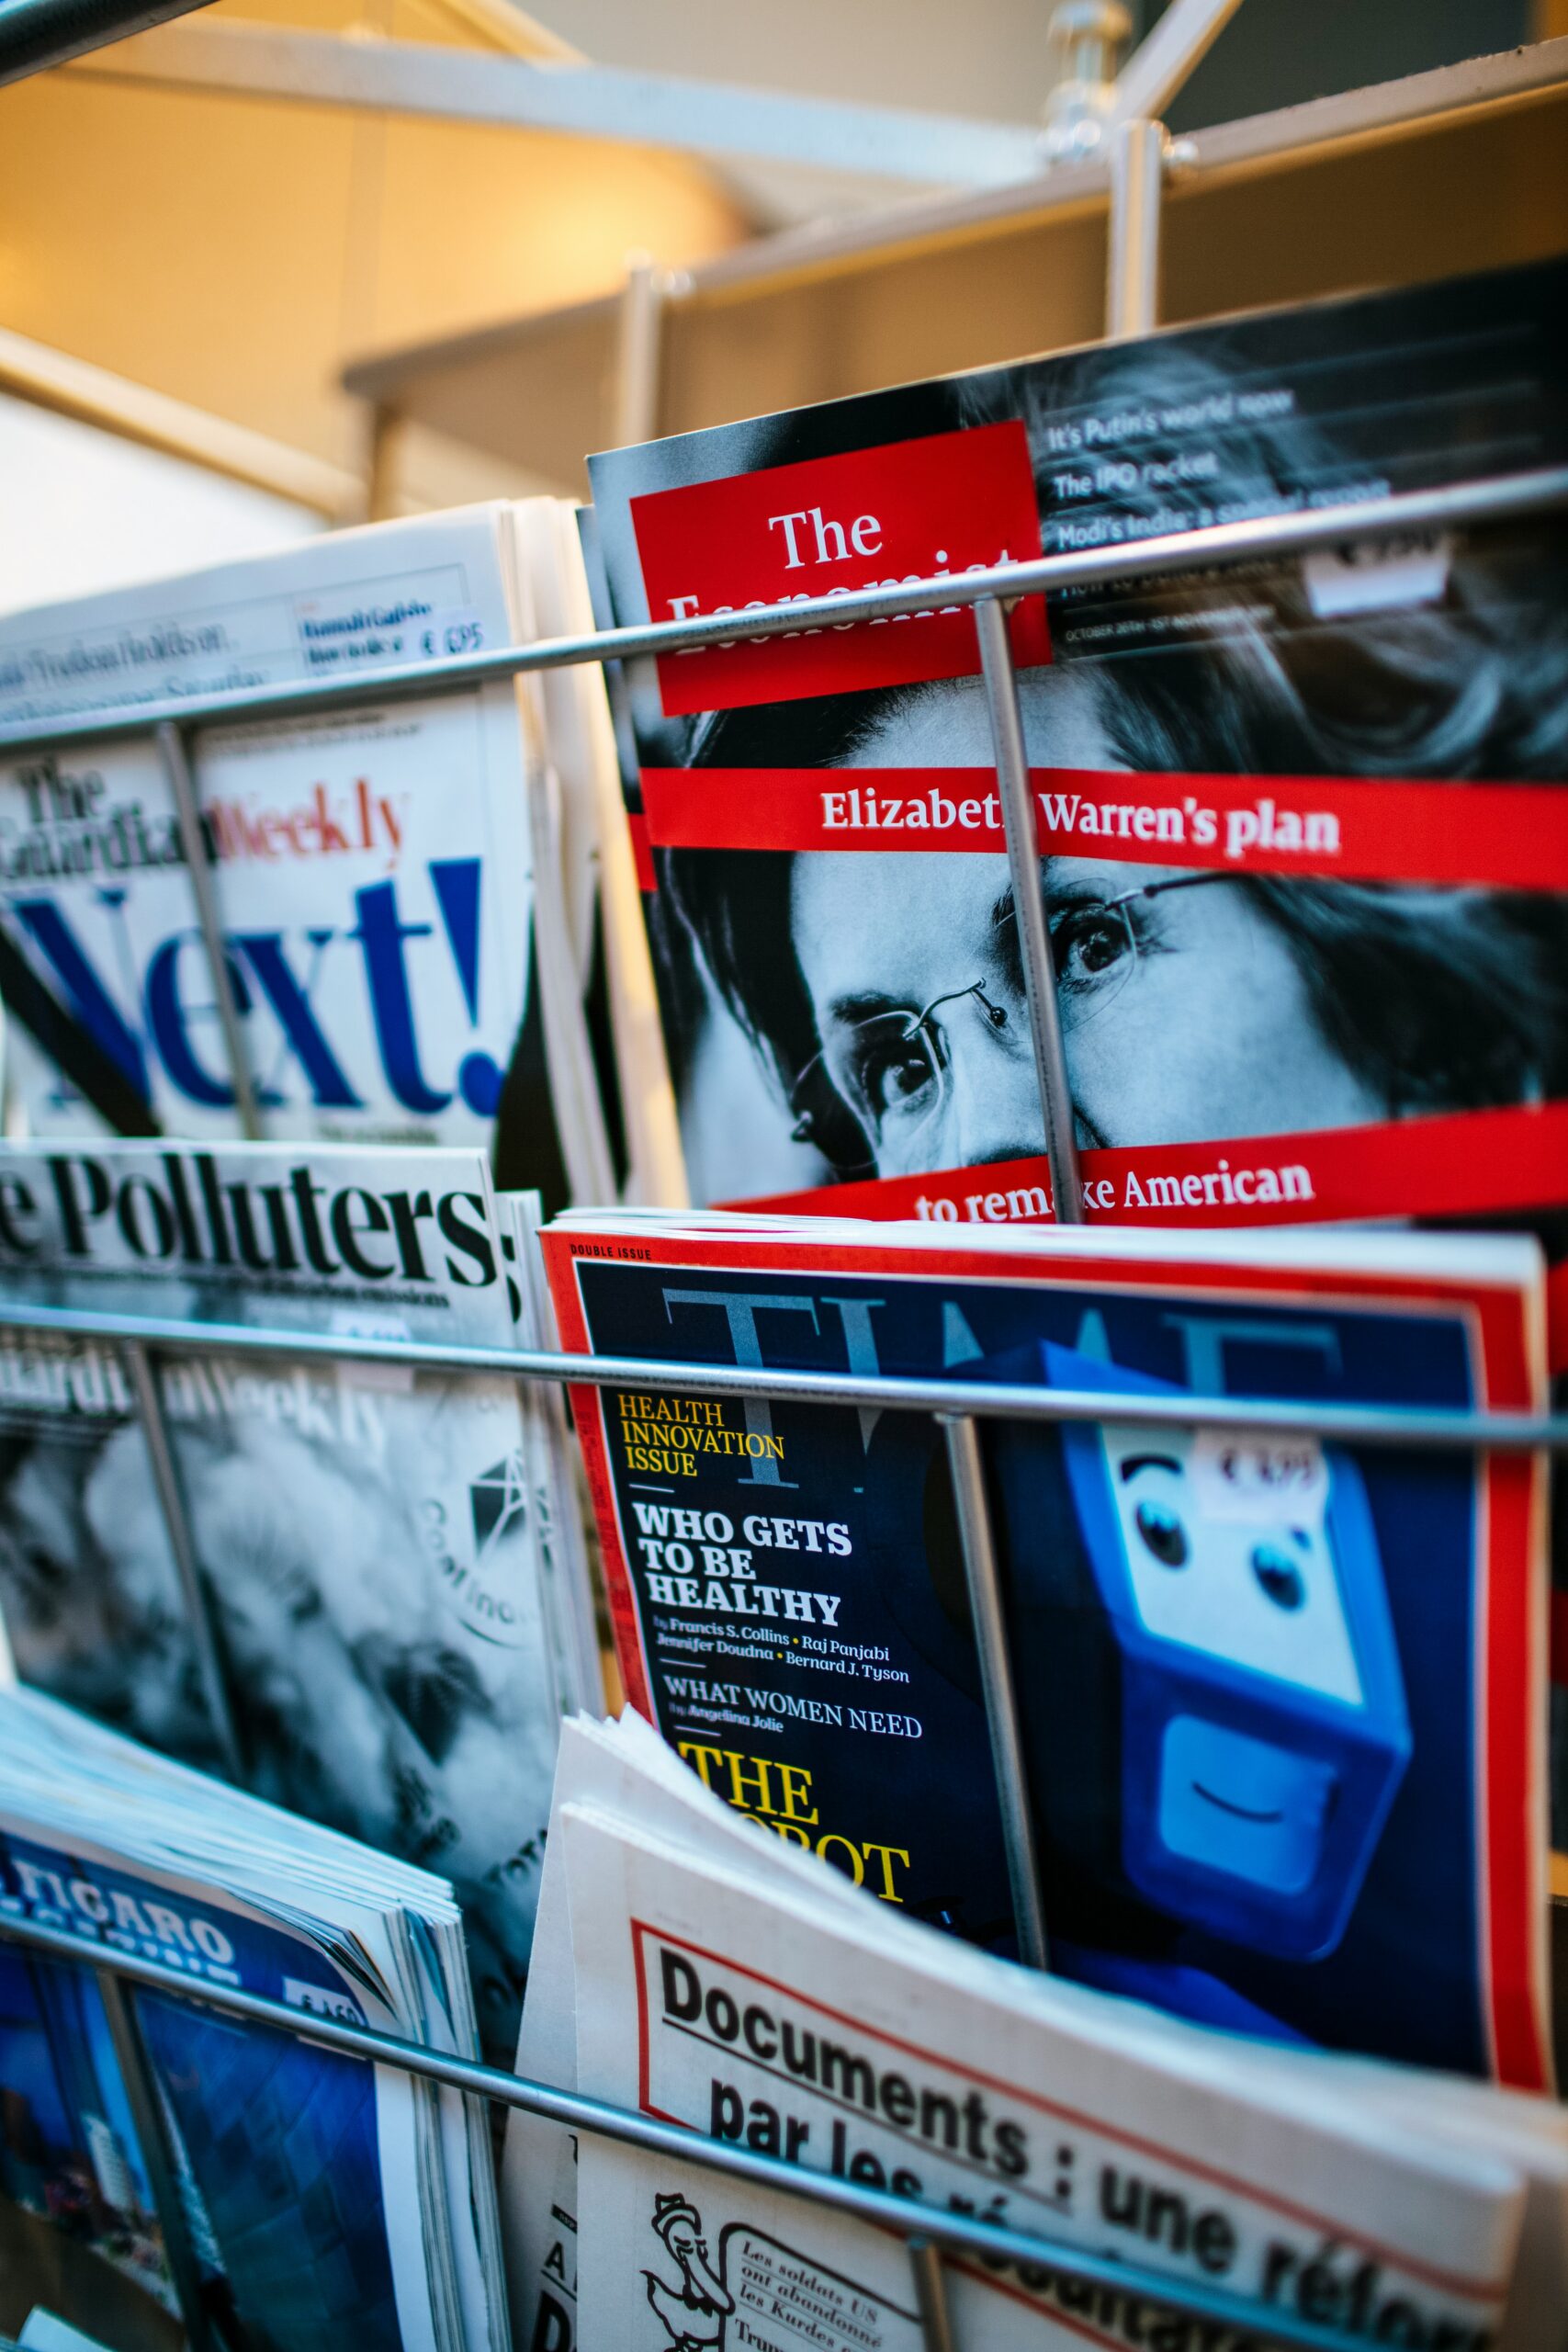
x: 1377, y: 575
x: 445, y: 634
x: 321, y: 2001
x: 1281, y: 1479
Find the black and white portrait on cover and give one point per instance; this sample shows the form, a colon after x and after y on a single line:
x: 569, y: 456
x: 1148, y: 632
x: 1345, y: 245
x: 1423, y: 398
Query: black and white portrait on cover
x: 845, y: 1014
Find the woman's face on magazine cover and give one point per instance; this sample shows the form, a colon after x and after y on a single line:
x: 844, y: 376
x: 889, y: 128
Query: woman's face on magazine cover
x: 1185, y: 1014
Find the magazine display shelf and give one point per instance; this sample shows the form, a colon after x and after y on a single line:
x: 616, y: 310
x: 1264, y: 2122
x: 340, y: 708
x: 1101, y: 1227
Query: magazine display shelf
x: 959, y: 1406
x: 929, y: 2233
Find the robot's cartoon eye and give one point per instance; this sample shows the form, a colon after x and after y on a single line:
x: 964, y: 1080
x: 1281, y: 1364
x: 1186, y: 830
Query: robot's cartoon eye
x: 1163, y: 1533
x: 1281, y: 1578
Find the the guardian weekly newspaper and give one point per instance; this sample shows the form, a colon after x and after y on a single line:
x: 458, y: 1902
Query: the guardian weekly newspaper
x: 1283, y: 1702
x: 381, y: 871
x: 1300, y: 976
x: 726, y: 1984
x: 379, y: 1548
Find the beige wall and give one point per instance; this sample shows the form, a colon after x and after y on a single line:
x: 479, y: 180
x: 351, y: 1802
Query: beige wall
x: 234, y: 253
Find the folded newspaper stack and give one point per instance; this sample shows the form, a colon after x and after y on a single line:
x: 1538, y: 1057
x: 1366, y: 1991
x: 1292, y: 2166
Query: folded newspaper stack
x: 406, y: 888
x: 390, y: 1558
x: 725, y: 1983
x: 320, y: 2193
x: 1280, y: 1698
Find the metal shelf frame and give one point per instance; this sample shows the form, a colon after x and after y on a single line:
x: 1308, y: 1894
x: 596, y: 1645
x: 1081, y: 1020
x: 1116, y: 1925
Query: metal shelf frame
x: 931, y: 2235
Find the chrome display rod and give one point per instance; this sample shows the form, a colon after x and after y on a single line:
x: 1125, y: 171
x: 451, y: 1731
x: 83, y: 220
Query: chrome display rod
x: 174, y: 755
x: 954, y: 2233
x: 984, y: 1580
x: 1428, y: 1428
x: 1029, y: 907
x: 931, y: 2296
x: 1137, y: 178
x: 36, y: 35
x: 170, y: 1492
x: 1455, y: 505
x: 639, y: 352
x: 157, y: 2155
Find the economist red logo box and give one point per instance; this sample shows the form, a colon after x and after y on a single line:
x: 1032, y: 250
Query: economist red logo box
x: 951, y: 502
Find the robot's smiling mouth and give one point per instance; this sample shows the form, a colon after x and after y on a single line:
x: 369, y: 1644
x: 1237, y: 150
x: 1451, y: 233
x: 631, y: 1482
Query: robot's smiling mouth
x: 1275, y: 1842
x: 1242, y: 1811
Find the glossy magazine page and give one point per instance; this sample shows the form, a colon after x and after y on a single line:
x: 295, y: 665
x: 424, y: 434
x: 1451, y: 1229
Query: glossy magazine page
x: 1282, y: 1704
x: 1300, y: 977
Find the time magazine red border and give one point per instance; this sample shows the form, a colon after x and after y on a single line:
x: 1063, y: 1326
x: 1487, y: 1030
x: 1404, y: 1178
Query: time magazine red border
x: 1507, y: 1355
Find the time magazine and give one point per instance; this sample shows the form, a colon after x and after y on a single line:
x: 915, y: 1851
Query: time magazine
x: 1282, y: 1703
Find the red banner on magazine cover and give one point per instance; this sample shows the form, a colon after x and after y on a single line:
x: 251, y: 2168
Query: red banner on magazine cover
x: 1506, y: 836
x: 1459, y: 1163
x: 833, y: 526
x: 623, y: 1292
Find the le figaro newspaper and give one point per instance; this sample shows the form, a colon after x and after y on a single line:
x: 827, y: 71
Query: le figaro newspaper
x: 381, y: 1558
x: 1300, y: 976
x: 392, y: 878
x: 1282, y: 1703
x: 88, y: 2168
x: 384, y: 2182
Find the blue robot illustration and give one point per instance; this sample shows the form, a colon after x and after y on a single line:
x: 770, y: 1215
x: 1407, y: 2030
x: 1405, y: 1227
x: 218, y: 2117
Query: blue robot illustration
x: 1210, y: 1692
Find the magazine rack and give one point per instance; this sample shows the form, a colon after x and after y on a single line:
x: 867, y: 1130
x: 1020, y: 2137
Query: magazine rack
x: 959, y: 1406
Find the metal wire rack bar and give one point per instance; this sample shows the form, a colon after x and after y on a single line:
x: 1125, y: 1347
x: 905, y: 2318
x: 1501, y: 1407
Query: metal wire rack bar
x: 956, y: 2234
x: 1005, y: 717
x: 1424, y: 1427
x: 1455, y: 505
